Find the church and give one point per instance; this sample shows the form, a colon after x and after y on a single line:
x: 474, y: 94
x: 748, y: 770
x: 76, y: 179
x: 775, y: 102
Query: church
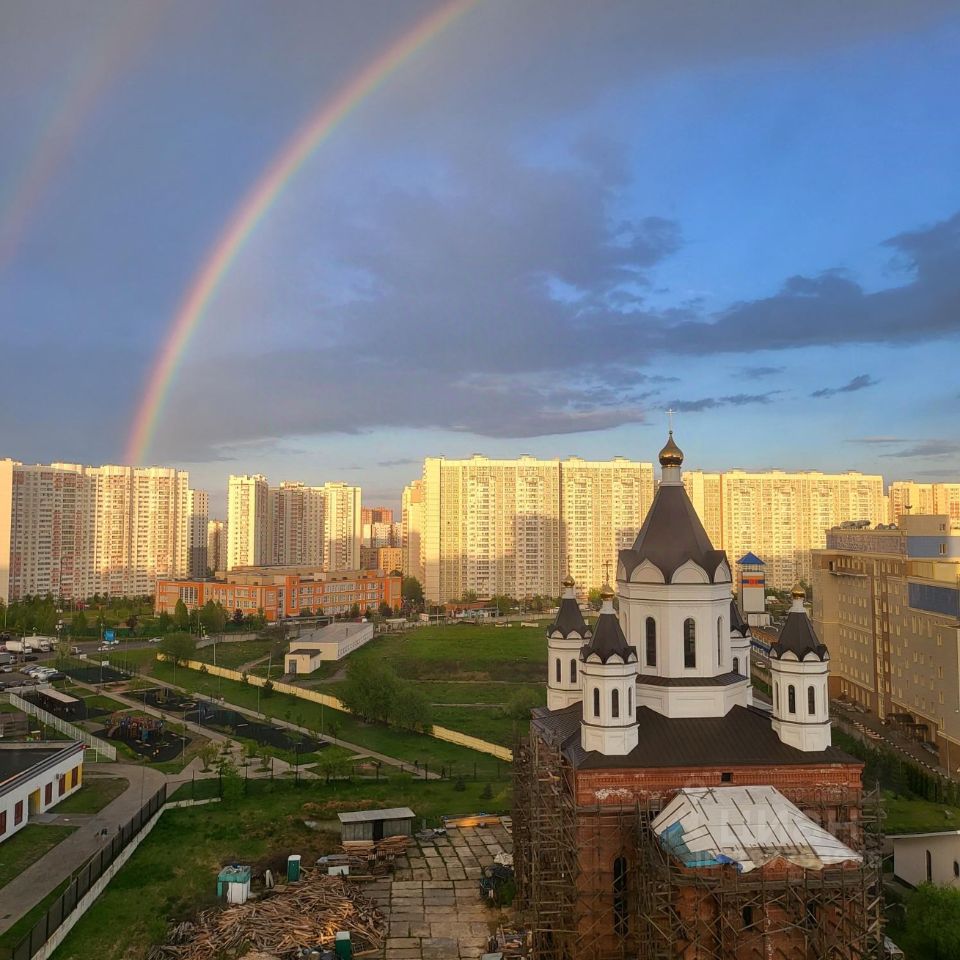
x: 661, y: 810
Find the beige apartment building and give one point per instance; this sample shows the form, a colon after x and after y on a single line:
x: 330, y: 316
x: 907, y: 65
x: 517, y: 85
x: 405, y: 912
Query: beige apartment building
x: 216, y: 545
x: 781, y: 516
x: 907, y: 496
x: 886, y: 601
x: 199, y: 515
x: 292, y: 524
x: 74, y: 531
x: 509, y: 526
x: 411, y: 523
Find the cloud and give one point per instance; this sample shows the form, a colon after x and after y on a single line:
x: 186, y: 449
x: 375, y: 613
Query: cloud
x: 402, y: 462
x: 927, y: 448
x: 877, y: 440
x: 757, y: 372
x: 860, y: 382
x: 711, y: 403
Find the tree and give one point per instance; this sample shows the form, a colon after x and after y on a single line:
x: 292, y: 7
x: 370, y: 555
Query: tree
x: 503, y: 603
x: 207, y: 754
x: 469, y: 596
x: 354, y: 611
x: 385, y: 610
x: 181, y: 617
x: 78, y: 626
x: 520, y: 704
x: 593, y: 598
x: 306, y: 612
x: 213, y: 617
x: 412, y: 591
x: 179, y: 646
x: 370, y: 689
x: 238, y: 616
x: 412, y: 710
x: 164, y: 622
x: 933, y: 923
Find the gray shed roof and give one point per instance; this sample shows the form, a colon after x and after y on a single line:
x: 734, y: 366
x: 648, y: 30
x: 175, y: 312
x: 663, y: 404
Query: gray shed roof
x: 366, y: 816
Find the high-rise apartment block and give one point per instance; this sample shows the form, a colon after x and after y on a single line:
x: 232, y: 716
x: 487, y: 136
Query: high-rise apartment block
x: 909, y: 497
x: 199, y: 514
x: 216, y: 545
x: 411, y: 506
x: 781, y: 516
x: 886, y: 600
x: 292, y: 524
x: 74, y: 531
x: 512, y: 526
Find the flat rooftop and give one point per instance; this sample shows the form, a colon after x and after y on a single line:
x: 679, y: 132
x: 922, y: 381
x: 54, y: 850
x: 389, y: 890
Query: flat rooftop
x: 365, y: 816
x: 19, y: 760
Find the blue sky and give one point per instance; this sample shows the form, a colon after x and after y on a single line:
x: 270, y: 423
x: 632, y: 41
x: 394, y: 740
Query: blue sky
x: 556, y: 221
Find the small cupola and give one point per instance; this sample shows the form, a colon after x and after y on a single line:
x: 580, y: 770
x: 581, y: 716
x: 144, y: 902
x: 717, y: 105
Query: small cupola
x: 608, y: 668
x: 565, y: 636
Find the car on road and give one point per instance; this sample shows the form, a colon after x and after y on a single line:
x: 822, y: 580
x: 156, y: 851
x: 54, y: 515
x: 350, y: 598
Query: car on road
x: 75, y: 650
x: 7, y: 668
x: 155, y: 640
x: 30, y: 656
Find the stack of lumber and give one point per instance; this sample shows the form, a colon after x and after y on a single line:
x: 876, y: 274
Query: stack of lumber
x: 294, y: 916
x: 374, y: 855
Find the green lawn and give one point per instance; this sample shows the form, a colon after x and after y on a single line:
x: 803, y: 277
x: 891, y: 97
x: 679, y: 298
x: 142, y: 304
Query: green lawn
x: 13, y: 935
x: 917, y: 816
x: 234, y: 655
x: 93, y: 795
x: 487, y: 722
x: 173, y: 872
x: 406, y: 746
x: 26, y: 846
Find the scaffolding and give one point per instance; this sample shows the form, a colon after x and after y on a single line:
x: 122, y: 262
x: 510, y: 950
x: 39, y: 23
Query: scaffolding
x: 594, y: 883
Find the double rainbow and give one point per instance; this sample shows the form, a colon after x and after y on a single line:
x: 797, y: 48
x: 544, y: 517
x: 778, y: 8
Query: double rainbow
x: 257, y: 203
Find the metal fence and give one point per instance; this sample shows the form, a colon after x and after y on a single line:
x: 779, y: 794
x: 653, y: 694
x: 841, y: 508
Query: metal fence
x: 84, y: 879
x: 104, y: 749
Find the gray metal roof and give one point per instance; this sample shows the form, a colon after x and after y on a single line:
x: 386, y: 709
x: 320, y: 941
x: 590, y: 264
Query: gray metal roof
x: 365, y: 816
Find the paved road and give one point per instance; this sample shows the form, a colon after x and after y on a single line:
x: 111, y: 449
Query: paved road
x: 42, y: 877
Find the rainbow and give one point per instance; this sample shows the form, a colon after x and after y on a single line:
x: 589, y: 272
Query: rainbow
x: 257, y: 203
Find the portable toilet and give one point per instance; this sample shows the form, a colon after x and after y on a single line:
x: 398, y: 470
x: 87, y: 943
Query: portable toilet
x: 342, y: 945
x: 233, y: 882
x: 293, y: 868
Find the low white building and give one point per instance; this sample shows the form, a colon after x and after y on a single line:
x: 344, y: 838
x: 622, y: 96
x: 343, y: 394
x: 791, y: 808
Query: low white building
x: 34, y: 778
x: 332, y: 642
x: 927, y: 858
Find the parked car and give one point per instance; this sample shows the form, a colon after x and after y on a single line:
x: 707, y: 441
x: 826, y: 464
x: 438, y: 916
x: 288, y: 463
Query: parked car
x: 30, y: 656
x: 6, y: 668
x: 155, y: 640
x: 75, y: 650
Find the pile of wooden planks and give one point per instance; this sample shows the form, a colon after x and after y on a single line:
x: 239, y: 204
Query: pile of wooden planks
x: 374, y: 856
x: 304, y: 914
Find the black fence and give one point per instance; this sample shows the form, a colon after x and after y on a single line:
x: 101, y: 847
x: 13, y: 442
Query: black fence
x: 84, y: 879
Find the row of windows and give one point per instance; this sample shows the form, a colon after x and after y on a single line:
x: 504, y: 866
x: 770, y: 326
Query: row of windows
x: 792, y: 699
x: 614, y: 702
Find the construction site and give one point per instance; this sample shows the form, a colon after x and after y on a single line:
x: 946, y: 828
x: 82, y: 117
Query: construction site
x: 597, y: 882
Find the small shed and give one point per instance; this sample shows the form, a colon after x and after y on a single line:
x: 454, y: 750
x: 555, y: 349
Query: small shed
x: 376, y: 824
x: 233, y: 882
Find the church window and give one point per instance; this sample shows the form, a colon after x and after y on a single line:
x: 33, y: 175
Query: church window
x: 929, y: 867
x: 558, y: 670
x: 689, y: 643
x: 736, y: 664
x: 573, y: 671
x: 811, y: 701
x: 596, y: 701
x: 629, y: 701
x: 776, y: 696
x: 791, y: 698
x: 621, y: 913
x: 615, y: 703
x: 651, y: 642
x: 719, y: 641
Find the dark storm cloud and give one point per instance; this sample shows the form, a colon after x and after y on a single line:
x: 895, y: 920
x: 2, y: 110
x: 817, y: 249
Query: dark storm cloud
x: 860, y: 382
x: 927, y: 448
x: 711, y: 403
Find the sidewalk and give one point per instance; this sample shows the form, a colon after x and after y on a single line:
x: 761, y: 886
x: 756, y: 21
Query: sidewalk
x: 20, y: 895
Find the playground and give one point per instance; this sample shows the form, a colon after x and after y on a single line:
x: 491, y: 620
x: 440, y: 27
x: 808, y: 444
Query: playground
x: 210, y: 714
x: 94, y: 674
x: 146, y: 736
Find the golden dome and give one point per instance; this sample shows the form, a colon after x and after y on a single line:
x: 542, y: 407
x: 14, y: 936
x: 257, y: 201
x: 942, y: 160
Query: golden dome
x: 568, y: 581
x: 671, y: 455
x: 798, y: 593
x: 606, y: 592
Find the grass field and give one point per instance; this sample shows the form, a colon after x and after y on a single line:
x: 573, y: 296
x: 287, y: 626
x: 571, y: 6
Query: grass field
x: 93, y: 795
x: 173, y: 872
x: 14, y: 934
x: 27, y: 846
x: 234, y: 655
x: 917, y: 816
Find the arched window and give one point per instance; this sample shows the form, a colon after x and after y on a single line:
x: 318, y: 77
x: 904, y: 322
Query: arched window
x: 629, y: 701
x: 573, y: 671
x: 736, y: 664
x: 596, y: 701
x: 811, y: 701
x: 689, y: 643
x: 615, y: 703
x: 956, y: 868
x: 620, y: 912
x: 719, y: 641
x: 929, y: 868
x: 651, y: 642
x: 776, y: 696
x: 791, y: 699
x: 559, y: 678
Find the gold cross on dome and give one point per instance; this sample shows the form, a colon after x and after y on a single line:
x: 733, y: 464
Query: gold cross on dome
x: 606, y: 571
x: 670, y: 417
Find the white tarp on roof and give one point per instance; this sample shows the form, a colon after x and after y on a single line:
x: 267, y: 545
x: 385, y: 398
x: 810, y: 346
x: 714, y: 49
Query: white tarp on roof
x: 744, y: 826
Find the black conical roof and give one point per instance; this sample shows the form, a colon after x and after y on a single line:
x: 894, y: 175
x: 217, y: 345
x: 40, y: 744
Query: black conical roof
x: 569, y: 620
x: 736, y: 619
x: 608, y: 640
x: 798, y: 637
x: 671, y: 535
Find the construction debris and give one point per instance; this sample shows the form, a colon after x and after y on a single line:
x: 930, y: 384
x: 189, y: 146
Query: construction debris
x: 282, y: 923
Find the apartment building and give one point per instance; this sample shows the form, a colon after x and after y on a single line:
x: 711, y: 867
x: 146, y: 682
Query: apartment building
x: 411, y: 521
x: 74, y: 531
x: 284, y: 591
x: 292, y: 524
x: 886, y: 601
x: 509, y: 526
x: 216, y: 545
x: 907, y: 496
x: 781, y: 516
x: 199, y: 516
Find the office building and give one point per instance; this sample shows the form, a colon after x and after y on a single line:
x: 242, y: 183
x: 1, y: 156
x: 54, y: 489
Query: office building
x: 74, y: 531
x: 511, y: 526
x: 781, y: 516
x: 886, y: 600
